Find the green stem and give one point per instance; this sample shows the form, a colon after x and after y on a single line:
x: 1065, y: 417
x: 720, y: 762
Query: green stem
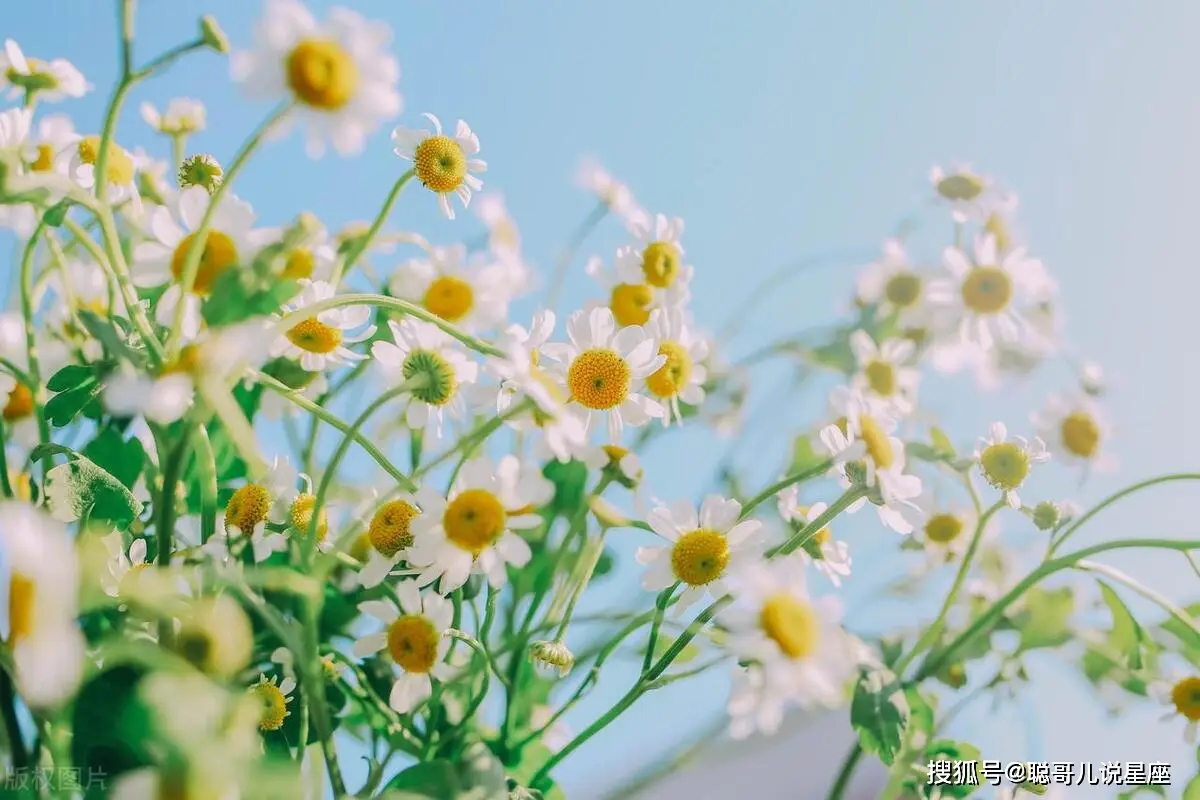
x: 165, y: 527
x: 35, y: 372
x: 783, y: 483
x: 125, y: 19
x: 568, y: 255
x: 361, y: 245
x: 627, y: 700
x: 5, y: 484
x: 588, y: 559
x: 1108, y: 501
x: 473, y: 643
x: 660, y: 609
x: 844, y: 774
x: 206, y: 474
x: 314, y: 691
x: 810, y: 530
x: 177, y: 153
x: 1163, y: 602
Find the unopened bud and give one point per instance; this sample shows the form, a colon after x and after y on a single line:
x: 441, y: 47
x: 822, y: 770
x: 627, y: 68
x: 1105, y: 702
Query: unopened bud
x: 552, y: 655
x: 212, y: 35
x: 201, y: 170
x: 1047, y: 516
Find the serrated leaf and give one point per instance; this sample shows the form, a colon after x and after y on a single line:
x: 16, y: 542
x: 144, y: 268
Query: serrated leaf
x: 80, y: 488
x: 1126, y: 636
x: 879, y: 713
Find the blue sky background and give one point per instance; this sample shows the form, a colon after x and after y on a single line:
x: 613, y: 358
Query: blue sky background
x: 779, y: 129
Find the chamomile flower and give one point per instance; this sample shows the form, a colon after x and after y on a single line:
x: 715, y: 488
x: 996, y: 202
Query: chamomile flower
x: 603, y: 369
x: 703, y: 547
x: 120, y: 171
x: 628, y: 296
x: 683, y: 375
x: 18, y: 403
x: 945, y: 530
x: 313, y: 259
x: 467, y: 292
x: 51, y: 81
x: 40, y: 151
x: 622, y: 463
x: 319, y: 342
x: 420, y: 348
x: 1182, y: 696
x: 414, y: 640
x: 473, y: 530
x: 658, y: 254
x: 122, y: 566
x: 1006, y: 463
x: 794, y: 639
x: 616, y: 196
x: 163, y: 258
x: 883, y: 371
x: 43, y: 579
x: 389, y: 536
x: 830, y: 556
x: 443, y: 164
x: 337, y: 73
x: 894, y: 285
x: 183, y: 116
x: 301, y: 504
x: 987, y: 296
x: 1075, y: 430
x: 249, y: 509
x: 961, y: 187
x: 273, y: 697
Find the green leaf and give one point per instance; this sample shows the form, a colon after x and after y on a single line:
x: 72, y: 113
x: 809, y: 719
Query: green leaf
x: 879, y: 712
x: 1192, y: 790
x: 62, y: 409
x: 123, y: 459
x: 57, y: 213
x: 1045, y: 621
x: 79, y: 488
x: 110, y: 730
x: 1126, y: 637
x: 240, y: 294
x: 435, y: 780
x: 480, y: 771
x: 70, y: 377
x: 920, y: 719
x: 941, y: 441
x: 113, y: 336
x: 1184, y: 633
x: 950, y: 750
x: 570, y: 480
x: 804, y: 455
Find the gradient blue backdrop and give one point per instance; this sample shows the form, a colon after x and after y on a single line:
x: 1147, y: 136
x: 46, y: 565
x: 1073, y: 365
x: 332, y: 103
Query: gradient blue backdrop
x: 778, y: 129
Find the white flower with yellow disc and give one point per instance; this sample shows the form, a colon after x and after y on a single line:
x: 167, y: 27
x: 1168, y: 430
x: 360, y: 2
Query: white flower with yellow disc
x: 249, y: 509
x: 314, y: 258
x: 443, y: 164
x: 319, y: 342
x: 422, y: 349
x: 1076, y: 430
x: 468, y: 292
x: 604, y: 369
x: 273, y: 697
x: 474, y: 529
x: 962, y: 188
x: 893, y: 284
x: 338, y: 74
x: 52, y: 81
x: 120, y: 178
x: 945, y: 530
x: 182, y: 116
x: 703, y: 547
x: 884, y: 373
x: 657, y: 257
x: 43, y: 584
x: 1180, y: 693
x: 122, y: 566
x: 227, y: 245
x: 832, y: 557
x: 41, y: 154
x: 1006, y: 463
x: 389, y: 536
x: 682, y: 377
x: 630, y: 299
x: 414, y: 640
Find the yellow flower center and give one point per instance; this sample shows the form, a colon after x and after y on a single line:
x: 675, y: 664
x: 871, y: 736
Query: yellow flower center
x: 19, y: 404
x: 987, y: 290
x: 599, y: 379
x: 630, y: 303
x: 248, y: 508
x: 300, y: 264
x: 943, y: 528
x: 903, y: 289
x: 1080, y: 434
x: 22, y: 593
x: 273, y: 706
x: 699, y: 557
x: 45, y: 159
x: 450, y: 298
x: 474, y: 520
x: 300, y: 516
x: 188, y: 362
x: 660, y: 264
x: 879, y: 447
x: 322, y: 74
x: 615, y: 453
x: 412, y: 642
x: 440, y: 163
x: 315, y: 336
x: 1186, y: 697
x: 22, y: 485
x: 998, y: 227
x: 671, y: 378
x: 1005, y: 465
x: 216, y: 637
x: 792, y: 624
x: 391, y: 527
x: 220, y: 253
x: 118, y: 170
x: 881, y: 377
x: 960, y: 186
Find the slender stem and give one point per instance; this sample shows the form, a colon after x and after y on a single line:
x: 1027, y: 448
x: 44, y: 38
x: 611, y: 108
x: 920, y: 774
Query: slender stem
x: 5, y: 484
x: 125, y: 19
x: 563, y: 263
x: 660, y: 609
x: 165, y: 527
x: 628, y: 699
x: 35, y: 372
x: 685, y: 638
x: 1165, y: 603
x: 177, y: 152
x: 206, y: 474
x: 474, y: 644
x: 1108, y: 501
x: 846, y: 772
x: 588, y: 559
x: 783, y: 483
x: 12, y: 725
x: 810, y: 530
x: 361, y: 245
x: 314, y: 691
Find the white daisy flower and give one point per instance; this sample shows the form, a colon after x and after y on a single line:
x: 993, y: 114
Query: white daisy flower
x: 467, y: 292
x: 444, y: 164
x: 657, y: 257
x: 612, y: 193
x: 122, y: 566
x: 1076, y: 430
x: 961, y: 187
x: 414, y: 640
x: 624, y: 463
x: 422, y: 348
x: 40, y: 153
x: 43, y: 580
x: 389, y: 537
x: 755, y: 705
x: 473, y: 529
x: 987, y: 299
x: 883, y: 372
x: 183, y: 116
x: 120, y: 171
x: 152, y: 182
x: 894, y: 285
x: 319, y: 342
x: 603, y: 369
x: 312, y: 259
x: 1181, y: 694
x: 683, y: 375
x: 249, y: 509
x: 703, y: 547
x: 338, y: 73
x: 17, y: 403
x: 162, y: 259
x: 273, y: 697
x: 946, y: 530
x: 832, y: 557
x: 1006, y: 464
x: 162, y: 399
x: 795, y: 640
x: 52, y: 81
